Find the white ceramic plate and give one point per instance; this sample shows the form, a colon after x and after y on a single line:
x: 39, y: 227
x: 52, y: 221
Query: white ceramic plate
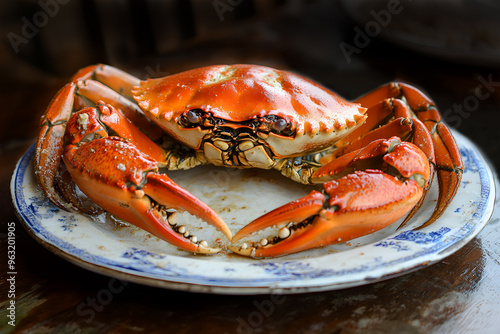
x: 125, y: 252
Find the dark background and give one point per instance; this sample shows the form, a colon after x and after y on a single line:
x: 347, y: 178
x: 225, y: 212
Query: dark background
x: 439, y: 47
x: 446, y: 48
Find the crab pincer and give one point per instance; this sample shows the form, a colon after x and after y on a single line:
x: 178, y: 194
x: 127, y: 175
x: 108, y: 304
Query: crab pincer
x: 125, y: 182
x: 354, y: 205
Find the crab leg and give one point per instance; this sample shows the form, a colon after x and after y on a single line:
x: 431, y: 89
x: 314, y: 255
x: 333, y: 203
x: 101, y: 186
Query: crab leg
x: 121, y: 179
x: 115, y: 120
x: 351, y: 206
x: 68, y: 190
x: 429, y: 128
x: 377, y: 113
x: 108, y: 84
x: 449, y: 163
x: 371, y: 130
x: 407, y: 125
x: 400, y: 127
x: 116, y: 79
x: 50, y: 144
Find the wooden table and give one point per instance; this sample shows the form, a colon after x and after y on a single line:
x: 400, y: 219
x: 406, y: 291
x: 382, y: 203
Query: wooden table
x: 460, y: 294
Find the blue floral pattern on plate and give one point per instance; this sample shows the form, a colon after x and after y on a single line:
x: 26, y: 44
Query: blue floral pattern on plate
x: 413, y: 236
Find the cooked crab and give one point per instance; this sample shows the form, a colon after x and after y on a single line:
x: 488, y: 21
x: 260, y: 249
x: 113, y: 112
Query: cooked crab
x: 376, y: 156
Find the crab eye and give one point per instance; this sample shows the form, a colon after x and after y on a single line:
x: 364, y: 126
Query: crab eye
x: 193, y: 117
x: 280, y: 125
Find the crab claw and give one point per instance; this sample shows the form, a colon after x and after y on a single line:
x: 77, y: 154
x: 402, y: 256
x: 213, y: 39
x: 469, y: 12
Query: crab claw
x: 350, y: 207
x: 121, y: 179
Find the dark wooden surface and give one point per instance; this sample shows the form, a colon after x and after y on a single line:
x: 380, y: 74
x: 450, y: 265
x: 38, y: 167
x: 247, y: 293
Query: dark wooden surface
x: 460, y: 294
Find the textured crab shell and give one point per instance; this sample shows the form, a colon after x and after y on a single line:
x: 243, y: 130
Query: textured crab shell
x: 239, y: 93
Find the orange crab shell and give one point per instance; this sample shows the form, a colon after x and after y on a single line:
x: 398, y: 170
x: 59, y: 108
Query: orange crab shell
x: 238, y: 93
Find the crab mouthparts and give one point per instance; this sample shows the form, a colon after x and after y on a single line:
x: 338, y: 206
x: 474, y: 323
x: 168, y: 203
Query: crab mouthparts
x: 231, y: 148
